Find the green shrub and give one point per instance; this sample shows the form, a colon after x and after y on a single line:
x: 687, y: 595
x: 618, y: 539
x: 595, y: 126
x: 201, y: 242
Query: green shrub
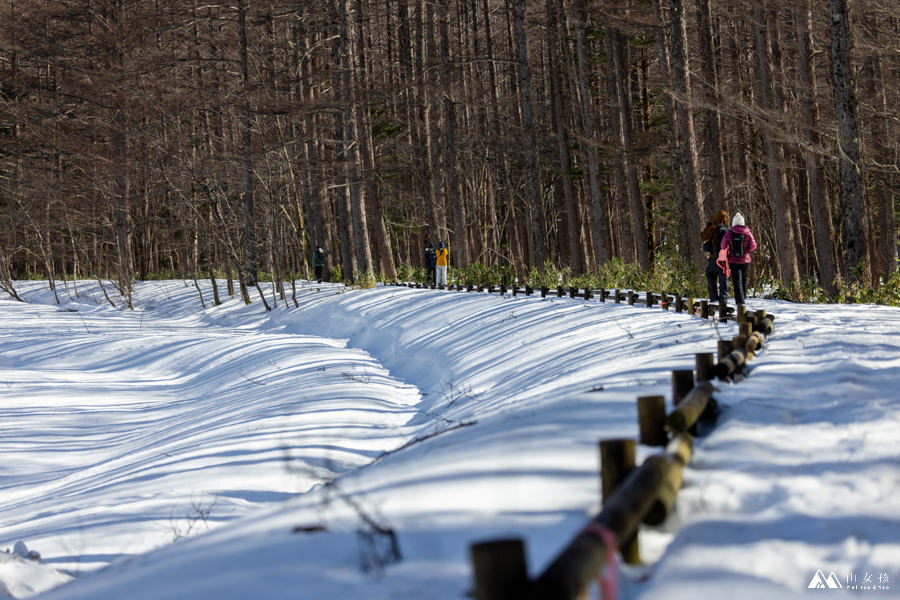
x: 363, y: 280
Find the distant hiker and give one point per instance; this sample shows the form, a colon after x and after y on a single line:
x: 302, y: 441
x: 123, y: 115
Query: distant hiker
x: 736, y: 246
x: 441, y: 262
x: 430, y: 263
x: 319, y: 262
x: 712, y: 242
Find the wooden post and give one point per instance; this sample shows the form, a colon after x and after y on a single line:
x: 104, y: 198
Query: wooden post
x: 755, y: 341
x: 650, y: 300
x: 587, y: 293
x: 682, y: 383
x: 741, y: 314
x: 502, y: 290
x: 602, y: 295
x: 730, y: 364
x: 761, y: 314
x: 618, y: 297
x: 704, y: 362
x: 691, y: 306
x: 745, y: 329
x: 630, y: 298
x: 688, y: 411
x: 766, y: 326
x: 704, y: 309
x: 725, y: 346
x: 723, y: 312
x: 559, y: 291
x: 544, y: 291
x: 678, y: 454
x: 500, y: 570
x: 678, y: 301
x: 529, y: 290
x: 617, y: 460
x: 652, y: 420
x: 572, y: 292
x: 664, y: 301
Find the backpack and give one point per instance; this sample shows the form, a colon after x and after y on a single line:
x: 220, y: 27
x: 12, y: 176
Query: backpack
x: 737, y: 244
x: 430, y: 258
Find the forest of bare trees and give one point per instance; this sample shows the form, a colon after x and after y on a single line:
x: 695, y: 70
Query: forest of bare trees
x: 141, y: 138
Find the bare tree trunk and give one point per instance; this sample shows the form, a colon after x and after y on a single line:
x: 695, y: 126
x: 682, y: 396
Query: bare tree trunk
x: 250, y: 260
x: 669, y: 104
x: 448, y: 116
x: 818, y: 193
x: 623, y: 128
x: 856, y: 234
x: 784, y: 233
x: 599, y: 215
x: 535, y: 206
x: 562, y: 138
x: 690, y: 204
x: 314, y: 193
x: 880, y: 176
x: 712, y: 132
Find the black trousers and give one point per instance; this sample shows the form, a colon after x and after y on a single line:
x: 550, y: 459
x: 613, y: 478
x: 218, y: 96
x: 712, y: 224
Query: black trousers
x: 430, y: 273
x: 739, y: 275
x: 319, y: 273
x: 715, y: 276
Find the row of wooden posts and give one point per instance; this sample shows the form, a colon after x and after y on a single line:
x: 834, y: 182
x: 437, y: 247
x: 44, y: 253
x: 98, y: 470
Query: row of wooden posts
x: 631, y: 494
x: 677, y: 302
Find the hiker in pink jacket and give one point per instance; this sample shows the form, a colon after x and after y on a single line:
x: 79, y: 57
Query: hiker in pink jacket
x: 737, y: 245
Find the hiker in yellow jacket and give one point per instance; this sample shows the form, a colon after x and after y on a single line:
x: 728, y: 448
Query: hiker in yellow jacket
x: 441, y: 263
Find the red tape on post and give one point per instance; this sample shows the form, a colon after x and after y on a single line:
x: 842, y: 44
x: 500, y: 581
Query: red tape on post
x: 608, y: 577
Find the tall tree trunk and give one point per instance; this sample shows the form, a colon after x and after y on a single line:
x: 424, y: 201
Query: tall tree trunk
x: 435, y: 196
x: 250, y: 259
x: 342, y: 177
x: 856, y: 234
x: 818, y: 193
x: 690, y: 204
x: 535, y: 206
x: 712, y: 132
x: 350, y: 68
x: 669, y: 104
x: 784, y: 233
x: 599, y: 214
x: 623, y: 128
x: 366, y: 148
x: 880, y: 176
x: 448, y: 116
x: 314, y: 193
x: 562, y: 138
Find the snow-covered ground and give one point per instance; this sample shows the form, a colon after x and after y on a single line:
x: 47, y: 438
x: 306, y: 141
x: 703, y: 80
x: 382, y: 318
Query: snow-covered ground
x: 179, y: 452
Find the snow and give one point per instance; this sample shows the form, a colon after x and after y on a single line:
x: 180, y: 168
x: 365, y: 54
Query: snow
x: 225, y: 452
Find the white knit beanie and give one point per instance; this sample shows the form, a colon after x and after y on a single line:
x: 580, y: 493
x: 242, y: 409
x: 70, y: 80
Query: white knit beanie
x: 737, y: 220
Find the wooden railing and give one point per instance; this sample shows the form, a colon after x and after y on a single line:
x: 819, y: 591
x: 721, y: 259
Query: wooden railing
x: 631, y: 494
x: 676, y: 302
